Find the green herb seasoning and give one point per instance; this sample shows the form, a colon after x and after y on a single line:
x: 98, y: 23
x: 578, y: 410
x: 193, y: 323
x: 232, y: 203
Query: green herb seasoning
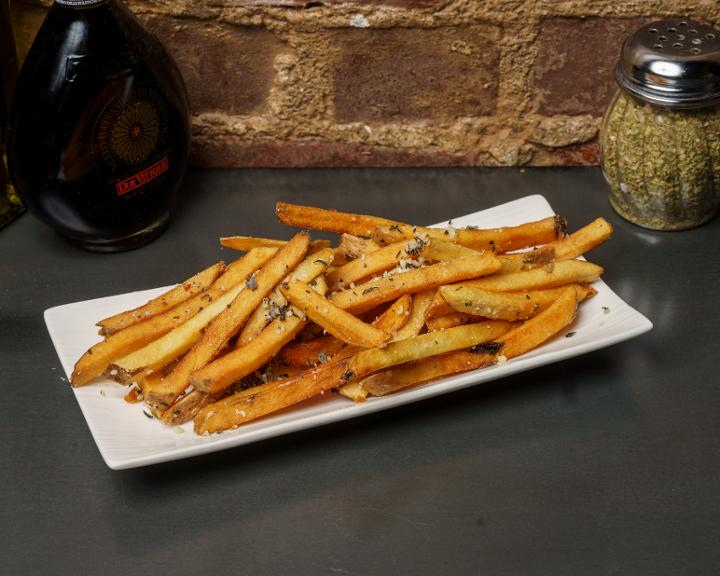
x: 662, y: 164
x: 660, y: 139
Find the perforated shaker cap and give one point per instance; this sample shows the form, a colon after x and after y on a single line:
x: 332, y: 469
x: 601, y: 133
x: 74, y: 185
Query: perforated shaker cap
x: 672, y: 63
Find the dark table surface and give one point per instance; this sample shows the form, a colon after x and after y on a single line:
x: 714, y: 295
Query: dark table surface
x: 607, y: 463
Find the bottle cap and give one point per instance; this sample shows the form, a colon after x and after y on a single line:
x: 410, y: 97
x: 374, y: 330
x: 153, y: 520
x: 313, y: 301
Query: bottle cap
x: 673, y: 63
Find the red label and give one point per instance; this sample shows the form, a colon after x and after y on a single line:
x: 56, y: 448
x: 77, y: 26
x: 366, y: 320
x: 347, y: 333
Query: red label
x: 142, y: 178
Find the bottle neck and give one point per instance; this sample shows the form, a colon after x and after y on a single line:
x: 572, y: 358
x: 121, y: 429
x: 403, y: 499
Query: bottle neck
x: 80, y: 4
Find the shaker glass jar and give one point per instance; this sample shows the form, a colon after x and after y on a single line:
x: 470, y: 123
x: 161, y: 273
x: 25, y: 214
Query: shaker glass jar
x: 660, y: 138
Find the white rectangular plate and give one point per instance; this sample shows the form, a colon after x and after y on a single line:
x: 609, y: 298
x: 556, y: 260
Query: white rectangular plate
x: 128, y: 439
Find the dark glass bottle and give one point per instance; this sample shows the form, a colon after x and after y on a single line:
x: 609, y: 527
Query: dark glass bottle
x: 10, y: 205
x: 100, y: 129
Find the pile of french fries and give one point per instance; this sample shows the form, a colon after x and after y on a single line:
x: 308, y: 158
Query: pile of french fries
x: 393, y: 305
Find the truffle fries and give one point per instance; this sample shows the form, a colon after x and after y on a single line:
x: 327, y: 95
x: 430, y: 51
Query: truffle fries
x: 392, y: 306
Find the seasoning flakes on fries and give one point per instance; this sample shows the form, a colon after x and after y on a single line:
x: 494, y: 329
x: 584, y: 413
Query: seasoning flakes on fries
x: 392, y: 306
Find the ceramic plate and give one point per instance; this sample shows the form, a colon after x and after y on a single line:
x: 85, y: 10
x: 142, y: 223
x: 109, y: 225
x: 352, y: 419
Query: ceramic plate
x: 128, y: 439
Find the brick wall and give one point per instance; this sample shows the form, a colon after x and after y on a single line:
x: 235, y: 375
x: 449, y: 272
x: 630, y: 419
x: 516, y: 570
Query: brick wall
x: 292, y: 83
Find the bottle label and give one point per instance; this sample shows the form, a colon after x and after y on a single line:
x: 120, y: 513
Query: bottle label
x: 130, y: 143
x: 142, y: 178
x: 80, y: 3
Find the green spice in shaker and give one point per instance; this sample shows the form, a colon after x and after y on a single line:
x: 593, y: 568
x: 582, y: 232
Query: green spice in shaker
x: 660, y: 138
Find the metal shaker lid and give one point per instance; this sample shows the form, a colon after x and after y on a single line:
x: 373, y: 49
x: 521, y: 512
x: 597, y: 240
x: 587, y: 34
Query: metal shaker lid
x: 672, y: 63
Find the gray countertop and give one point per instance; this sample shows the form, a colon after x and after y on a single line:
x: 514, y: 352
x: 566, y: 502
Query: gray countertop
x: 602, y: 464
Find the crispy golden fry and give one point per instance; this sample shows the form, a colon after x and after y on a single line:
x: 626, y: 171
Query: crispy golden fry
x: 371, y: 294
x: 247, y: 243
x: 573, y: 245
x: 534, y: 258
x: 273, y: 305
x: 416, y: 319
x: 352, y: 246
x: 280, y: 372
x: 231, y: 399
x: 356, y: 390
x: 187, y: 407
x: 423, y: 346
x: 557, y: 274
x: 163, y: 303
x: 509, y: 266
x: 249, y: 357
x: 254, y: 403
x: 442, y: 251
x: 242, y: 361
x: 450, y: 320
x: 172, y: 345
x: 336, y: 321
x: 392, y: 321
x: 498, y: 240
x: 396, y: 316
x: 516, y: 342
x: 379, y: 261
x: 437, y: 307
x: 309, y: 353
x: 146, y: 382
x: 228, y: 322
x: 122, y: 343
x: 330, y: 220
x: 509, y: 306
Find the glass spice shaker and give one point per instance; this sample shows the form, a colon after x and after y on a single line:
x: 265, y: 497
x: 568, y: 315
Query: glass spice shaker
x: 660, y: 138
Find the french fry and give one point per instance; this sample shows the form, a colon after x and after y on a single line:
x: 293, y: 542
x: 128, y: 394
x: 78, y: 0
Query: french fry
x: 330, y: 220
x: 516, y: 342
x: 172, y: 345
x: 229, y: 321
x: 310, y: 353
x: 280, y: 394
x: 509, y: 266
x: 249, y: 357
x: 416, y: 319
x: 163, y: 303
x: 415, y: 348
x: 273, y: 305
x: 352, y: 246
x: 412, y: 349
x: 509, y: 306
x: 230, y: 399
x: 437, y: 307
x: 122, y: 343
x: 573, y: 245
x: 442, y: 251
x: 371, y: 294
x: 450, y: 320
x: 392, y: 321
x: 498, y: 240
x: 378, y: 261
x: 146, y: 382
x: 247, y: 243
x: 187, y: 407
x: 336, y: 321
x: 563, y: 272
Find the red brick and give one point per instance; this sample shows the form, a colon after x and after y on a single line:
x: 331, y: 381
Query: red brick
x: 405, y: 75
x: 226, y: 68
x: 575, y: 68
x: 314, y: 153
x: 404, y: 4
x: 581, y: 155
